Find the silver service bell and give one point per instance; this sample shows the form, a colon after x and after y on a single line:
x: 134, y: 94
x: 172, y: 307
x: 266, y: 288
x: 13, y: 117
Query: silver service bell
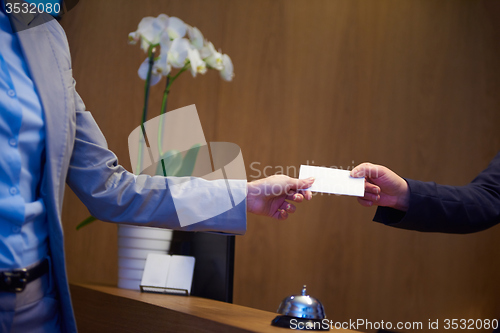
x: 301, y: 312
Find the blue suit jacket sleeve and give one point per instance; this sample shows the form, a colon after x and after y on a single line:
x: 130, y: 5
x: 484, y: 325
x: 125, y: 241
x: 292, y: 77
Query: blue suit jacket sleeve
x: 450, y: 209
x: 113, y: 194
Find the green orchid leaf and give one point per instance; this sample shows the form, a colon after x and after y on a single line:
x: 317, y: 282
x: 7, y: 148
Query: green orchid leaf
x: 189, y: 161
x: 171, y: 161
x: 85, y: 222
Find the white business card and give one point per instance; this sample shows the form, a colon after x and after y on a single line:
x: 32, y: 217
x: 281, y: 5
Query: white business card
x: 334, y: 181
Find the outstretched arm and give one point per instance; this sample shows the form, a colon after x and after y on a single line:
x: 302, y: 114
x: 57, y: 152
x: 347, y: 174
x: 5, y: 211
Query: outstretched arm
x: 427, y: 206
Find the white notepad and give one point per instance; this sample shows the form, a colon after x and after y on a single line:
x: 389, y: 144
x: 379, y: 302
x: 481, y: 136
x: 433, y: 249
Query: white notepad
x: 168, y: 274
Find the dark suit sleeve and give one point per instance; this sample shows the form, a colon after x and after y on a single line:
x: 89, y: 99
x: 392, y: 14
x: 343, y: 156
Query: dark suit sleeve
x: 450, y: 209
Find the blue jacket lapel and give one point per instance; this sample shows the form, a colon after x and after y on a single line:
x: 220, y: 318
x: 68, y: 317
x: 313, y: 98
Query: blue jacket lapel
x: 46, y: 52
x: 48, y: 70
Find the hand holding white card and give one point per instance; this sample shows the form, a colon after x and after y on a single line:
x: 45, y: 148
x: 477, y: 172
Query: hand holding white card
x: 335, y: 181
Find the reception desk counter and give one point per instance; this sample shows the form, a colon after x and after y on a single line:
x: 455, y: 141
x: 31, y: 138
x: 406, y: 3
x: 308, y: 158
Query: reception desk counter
x: 110, y: 309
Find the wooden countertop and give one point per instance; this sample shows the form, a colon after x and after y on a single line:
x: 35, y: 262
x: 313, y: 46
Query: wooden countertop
x: 111, y: 309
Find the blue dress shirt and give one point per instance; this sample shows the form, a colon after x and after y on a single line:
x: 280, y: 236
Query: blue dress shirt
x: 23, y: 227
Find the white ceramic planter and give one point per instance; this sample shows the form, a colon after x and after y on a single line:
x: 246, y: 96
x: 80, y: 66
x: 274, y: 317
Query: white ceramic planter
x: 134, y: 245
x: 131, y: 263
x: 129, y: 273
x: 131, y: 253
x: 129, y: 284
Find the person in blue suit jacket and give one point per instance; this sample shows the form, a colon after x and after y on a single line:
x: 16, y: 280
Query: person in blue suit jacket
x: 48, y: 139
x: 427, y: 206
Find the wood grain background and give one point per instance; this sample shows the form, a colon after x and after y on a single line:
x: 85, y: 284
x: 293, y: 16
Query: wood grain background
x: 413, y: 85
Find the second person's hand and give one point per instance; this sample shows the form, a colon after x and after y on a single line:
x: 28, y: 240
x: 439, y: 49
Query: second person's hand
x: 383, y: 187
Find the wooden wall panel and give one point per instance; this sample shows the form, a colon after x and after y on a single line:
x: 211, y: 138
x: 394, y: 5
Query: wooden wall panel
x: 409, y: 84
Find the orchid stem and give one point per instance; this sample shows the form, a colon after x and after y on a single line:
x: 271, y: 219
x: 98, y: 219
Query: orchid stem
x: 165, y: 96
x: 170, y: 80
x: 151, y: 56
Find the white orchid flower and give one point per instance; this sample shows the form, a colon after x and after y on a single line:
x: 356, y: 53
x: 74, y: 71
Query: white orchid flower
x: 153, y: 33
x: 178, y: 43
x: 133, y: 37
x: 214, y: 58
x: 176, y: 28
x: 165, y: 42
x: 145, y: 45
x: 197, y: 64
x: 227, y: 72
x: 178, y: 52
x: 206, y: 50
x: 143, y: 73
x: 163, y: 20
x: 196, y: 37
x: 145, y: 24
x: 149, y: 31
x: 161, y: 66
